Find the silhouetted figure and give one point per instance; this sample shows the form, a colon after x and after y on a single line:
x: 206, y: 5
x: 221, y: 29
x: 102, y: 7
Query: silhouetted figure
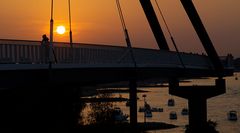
x: 45, y: 49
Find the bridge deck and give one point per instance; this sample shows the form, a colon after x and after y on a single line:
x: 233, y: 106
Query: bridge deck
x: 89, y: 64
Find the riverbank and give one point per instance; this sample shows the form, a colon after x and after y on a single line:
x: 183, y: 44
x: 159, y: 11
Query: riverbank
x: 118, y: 90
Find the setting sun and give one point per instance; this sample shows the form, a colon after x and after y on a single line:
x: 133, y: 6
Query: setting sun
x: 61, y: 30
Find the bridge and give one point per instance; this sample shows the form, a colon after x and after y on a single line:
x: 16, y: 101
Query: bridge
x: 91, y: 63
x: 23, y: 73
x: 57, y: 82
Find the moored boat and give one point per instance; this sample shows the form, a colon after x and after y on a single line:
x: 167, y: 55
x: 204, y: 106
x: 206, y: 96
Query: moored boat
x: 184, y: 111
x: 155, y: 109
x: 118, y: 115
x: 173, y: 115
x: 232, y: 115
x: 171, y: 102
x: 148, y: 113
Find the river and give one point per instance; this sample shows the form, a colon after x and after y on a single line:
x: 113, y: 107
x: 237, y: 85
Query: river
x: 217, y: 106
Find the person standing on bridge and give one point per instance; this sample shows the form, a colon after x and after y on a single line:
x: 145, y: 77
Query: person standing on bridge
x: 44, y: 49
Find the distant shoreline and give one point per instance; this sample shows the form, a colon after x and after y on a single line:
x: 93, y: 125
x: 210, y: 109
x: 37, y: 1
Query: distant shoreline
x: 90, y: 100
x: 126, y: 127
x: 118, y: 90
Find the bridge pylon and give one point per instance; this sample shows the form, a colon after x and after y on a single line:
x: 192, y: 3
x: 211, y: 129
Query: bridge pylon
x: 197, y: 101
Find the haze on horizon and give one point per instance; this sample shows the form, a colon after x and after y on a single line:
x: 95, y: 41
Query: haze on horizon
x: 95, y: 21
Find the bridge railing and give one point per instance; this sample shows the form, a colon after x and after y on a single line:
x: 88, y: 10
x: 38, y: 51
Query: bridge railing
x: 29, y: 52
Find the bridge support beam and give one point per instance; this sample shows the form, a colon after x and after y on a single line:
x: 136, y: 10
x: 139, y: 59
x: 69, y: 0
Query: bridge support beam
x: 202, y: 34
x: 197, y: 114
x: 133, y: 103
x: 197, y: 101
x: 154, y: 24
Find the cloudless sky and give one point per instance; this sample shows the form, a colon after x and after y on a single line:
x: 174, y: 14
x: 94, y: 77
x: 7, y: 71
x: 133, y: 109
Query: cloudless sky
x: 97, y: 21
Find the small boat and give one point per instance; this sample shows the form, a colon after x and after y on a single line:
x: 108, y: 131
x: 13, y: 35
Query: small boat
x: 154, y: 109
x: 171, y: 102
x: 232, y: 115
x: 184, y: 111
x: 148, y: 113
x: 118, y: 115
x: 173, y: 115
x: 128, y: 103
x: 146, y: 107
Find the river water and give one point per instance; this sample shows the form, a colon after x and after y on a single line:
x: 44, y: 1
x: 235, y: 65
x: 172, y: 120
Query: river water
x: 217, y: 106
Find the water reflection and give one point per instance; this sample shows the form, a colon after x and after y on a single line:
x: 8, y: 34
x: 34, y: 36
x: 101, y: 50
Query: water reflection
x: 217, y: 106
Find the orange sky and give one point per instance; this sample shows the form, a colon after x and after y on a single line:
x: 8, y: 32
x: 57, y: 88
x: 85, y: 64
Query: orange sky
x: 97, y: 21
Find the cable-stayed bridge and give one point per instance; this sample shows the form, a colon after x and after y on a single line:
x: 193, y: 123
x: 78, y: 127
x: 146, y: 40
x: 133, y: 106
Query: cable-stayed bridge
x: 24, y: 64
x: 89, y: 63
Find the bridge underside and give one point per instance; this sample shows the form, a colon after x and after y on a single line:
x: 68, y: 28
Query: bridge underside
x: 93, y: 76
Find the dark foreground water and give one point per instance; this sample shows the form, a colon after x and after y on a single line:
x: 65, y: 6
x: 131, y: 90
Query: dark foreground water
x: 217, y: 106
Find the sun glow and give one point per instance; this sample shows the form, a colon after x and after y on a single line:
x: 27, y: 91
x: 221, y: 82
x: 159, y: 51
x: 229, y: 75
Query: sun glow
x: 61, y: 30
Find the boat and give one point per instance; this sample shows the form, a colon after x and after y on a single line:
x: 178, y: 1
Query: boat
x: 146, y: 107
x: 147, y: 110
x: 155, y: 109
x: 232, y: 115
x: 184, y: 111
x: 171, y: 102
x: 118, y: 115
x: 148, y: 113
x: 128, y: 103
x: 173, y: 115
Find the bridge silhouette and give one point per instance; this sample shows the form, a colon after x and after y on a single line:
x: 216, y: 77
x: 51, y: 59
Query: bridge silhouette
x: 87, y: 66
x: 55, y: 85
x: 96, y: 64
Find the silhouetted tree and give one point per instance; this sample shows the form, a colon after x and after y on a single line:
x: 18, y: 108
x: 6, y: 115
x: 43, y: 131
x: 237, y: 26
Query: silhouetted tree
x: 210, y: 127
x: 101, y: 112
x: 79, y: 107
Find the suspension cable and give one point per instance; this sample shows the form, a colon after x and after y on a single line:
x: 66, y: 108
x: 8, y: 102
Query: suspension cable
x: 70, y: 24
x: 124, y: 28
x: 170, y: 34
x: 121, y: 15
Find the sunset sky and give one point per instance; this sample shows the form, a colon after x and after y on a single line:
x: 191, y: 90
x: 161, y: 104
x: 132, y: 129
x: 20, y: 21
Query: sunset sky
x: 97, y: 21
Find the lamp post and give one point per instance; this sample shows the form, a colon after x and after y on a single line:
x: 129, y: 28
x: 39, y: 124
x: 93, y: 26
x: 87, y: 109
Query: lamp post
x: 144, y: 96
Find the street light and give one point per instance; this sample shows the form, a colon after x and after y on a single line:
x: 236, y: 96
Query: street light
x: 144, y: 96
